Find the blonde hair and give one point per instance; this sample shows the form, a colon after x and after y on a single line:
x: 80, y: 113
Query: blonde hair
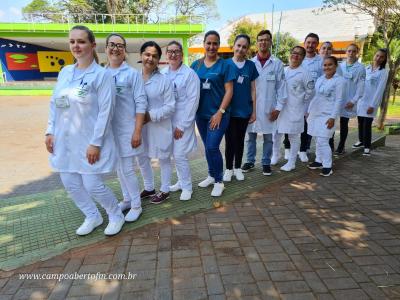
x: 91, y: 38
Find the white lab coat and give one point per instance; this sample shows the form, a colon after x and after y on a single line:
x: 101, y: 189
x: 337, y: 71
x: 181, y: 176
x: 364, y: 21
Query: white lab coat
x: 300, y: 89
x: 314, y: 65
x: 270, y: 86
x: 87, y: 120
x: 375, y: 83
x: 186, y: 86
x: 158, y: 134
x: 354, y: 88
x: 326, y: 104
x: 130, y: 99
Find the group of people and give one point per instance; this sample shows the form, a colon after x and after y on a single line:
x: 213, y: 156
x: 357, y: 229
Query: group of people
x: 114, y: 117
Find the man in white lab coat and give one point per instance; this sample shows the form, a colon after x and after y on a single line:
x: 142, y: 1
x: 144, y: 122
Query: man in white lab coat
x: 270, y: 86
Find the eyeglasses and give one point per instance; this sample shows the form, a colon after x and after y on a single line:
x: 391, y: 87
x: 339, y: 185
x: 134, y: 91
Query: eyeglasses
x: 297, y: 53
x: 119, y: 46
x: 174, y: 52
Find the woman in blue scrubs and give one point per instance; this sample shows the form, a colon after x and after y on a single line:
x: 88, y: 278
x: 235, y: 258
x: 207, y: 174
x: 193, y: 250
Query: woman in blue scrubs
x: 212, y: 117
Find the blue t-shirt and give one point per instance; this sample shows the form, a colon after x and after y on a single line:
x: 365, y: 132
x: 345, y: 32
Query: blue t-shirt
x: 242, y: 103
x: 215, y: 77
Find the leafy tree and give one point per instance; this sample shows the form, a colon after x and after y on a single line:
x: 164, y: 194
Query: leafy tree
x: 282, y: 49
x: 386, y: 14
x: 246, y: 26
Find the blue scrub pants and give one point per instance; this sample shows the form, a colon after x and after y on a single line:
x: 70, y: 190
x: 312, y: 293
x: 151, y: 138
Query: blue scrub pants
x: 211, y: 140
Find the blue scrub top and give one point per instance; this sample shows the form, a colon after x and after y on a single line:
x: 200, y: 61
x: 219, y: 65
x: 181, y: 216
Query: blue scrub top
x: 242, y: 103
x: 217, y: 75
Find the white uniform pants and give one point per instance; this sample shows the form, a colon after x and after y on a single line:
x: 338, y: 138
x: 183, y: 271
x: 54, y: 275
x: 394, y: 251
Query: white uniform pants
x: 147, y: 173
x: 83, y: 188
x: 323, y: 152
x: 294, y: 140
x: 183, y: 171
x: 128, y: 180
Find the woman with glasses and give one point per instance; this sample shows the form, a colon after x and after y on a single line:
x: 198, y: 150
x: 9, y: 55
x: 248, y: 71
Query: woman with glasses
x: 130, y: 107
x: 212, y: 118
x: 290, y: 111
x: 79, y: 136
x: 158, y: 131
x: 186, y: 86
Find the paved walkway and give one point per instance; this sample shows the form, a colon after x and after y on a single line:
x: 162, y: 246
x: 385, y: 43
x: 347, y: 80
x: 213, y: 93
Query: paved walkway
x: 306, y: 238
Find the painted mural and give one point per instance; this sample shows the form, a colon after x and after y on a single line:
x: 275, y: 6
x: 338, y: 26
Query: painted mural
x: 54, y: 61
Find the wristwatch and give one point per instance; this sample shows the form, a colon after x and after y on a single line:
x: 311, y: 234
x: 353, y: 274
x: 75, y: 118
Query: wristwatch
x: 222, y: 110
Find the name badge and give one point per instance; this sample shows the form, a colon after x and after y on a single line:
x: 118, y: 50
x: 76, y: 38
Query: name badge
x: 240, y: 79
x: 270, y: 77
x: 62, y: 102
x: 347, y: 75
x: 314, y: 75
x: 206, y: 85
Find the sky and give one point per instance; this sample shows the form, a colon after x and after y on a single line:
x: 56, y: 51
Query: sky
x: 10, y: 10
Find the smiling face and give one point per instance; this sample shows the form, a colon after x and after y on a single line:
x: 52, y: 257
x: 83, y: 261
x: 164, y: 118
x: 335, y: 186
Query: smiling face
x: 174, y: 55
x: 352, y: 53
x: 296, y: 57
x: 115, y: 50
x: 264, y: 43
x: 150, y: 58
x: 379, y: 58
x: 326, y: 50
x: 211, y: 45
x: 80, y: 46
x: 311, y: 45
x: 240, y: 48
x: 329, y: 67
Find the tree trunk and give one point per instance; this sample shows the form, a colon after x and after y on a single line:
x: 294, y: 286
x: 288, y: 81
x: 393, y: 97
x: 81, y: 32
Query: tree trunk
x: 385, y: 101
x: 394, y: 96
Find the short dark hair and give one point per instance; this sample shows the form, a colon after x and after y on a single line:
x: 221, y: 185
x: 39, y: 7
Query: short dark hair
x: 175, y: 43
x: 212, y: 32
x: 312, y: 35
x: 334, y: 59
x: 115, y: 34
x: 151, y: 44
x: 354, y: 45
x: 299, y: 47
x: 264, y: 32
x: 383, y: 64
x: 242, y: 36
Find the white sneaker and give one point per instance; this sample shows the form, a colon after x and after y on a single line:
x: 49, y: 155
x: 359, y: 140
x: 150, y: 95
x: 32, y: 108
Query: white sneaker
x: 367, y: 152
x: 275, y: 159
x: 238, y: 174
x: 176, y: 187
x: 217, y: 189
x: 303, y: 156
x: 207, y: 182
x: 288, y: 167
x: 89, y: 225
x: 114, y: 226
x: 124, y: 205
x: 228, y: 175
x: 186, y: 195
x: 133, y: 214
x: 287, y: 154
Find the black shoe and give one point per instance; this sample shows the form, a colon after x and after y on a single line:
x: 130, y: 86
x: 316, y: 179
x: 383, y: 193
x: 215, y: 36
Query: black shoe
x: 160, y: 197
x: 326, y: 172
x: 247, y: 167
x: 267, y: 170
x: 357, y: 145
x: 339, y: 152
x: 315, y: 165
x: 145, y: 194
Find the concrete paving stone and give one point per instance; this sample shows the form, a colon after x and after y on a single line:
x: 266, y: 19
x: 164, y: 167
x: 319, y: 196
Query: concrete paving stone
x: 163, y: 294
x: 368, y: 260
x: 377, y: 270
x: 350, y: 294
x: 206, y: 248
x: 285, y: 276
x: 356, y: 272
x: 324, y: 297
x: 186, y: 262
x: 209, y: 264
x: 141, y: 295
x: 340, y: 283
x: 301, y: 263
x: 280, y: 266
x: 164, y: 279
x: 270, y: 257
x: 190, y: 294
x: 217, y: 297
x: 268, y: 289
x: 234, y: 269
x: 241, y: 290
x: 164, y: 259
x: 137, y: 285
x: 32, y: 293
x: 237, y: 278
x: 298, y: 296
x: 291, y: 287
x: 214, y: 284
x: 188, y: 282
x: 314, y: 282
x: 258, y: 271
x: 386, y: 280
x: 372, y: 291
x: 223, y: 237
x: 136, y: 266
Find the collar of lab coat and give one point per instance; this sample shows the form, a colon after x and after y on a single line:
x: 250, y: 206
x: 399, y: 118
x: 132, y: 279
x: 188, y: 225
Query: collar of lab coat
x: 124, y: 66
x: 317, y: 57
x: 151, y: 76
x: 270, y: 60
x: 89, y: 69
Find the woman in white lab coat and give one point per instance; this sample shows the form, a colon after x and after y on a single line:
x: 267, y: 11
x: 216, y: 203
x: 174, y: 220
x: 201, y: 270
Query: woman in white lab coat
x: 157, y: 131
x: 130, y: 107
x: 353, y: 73
x: 79, y: 136
x: 367, y: 107
x: 323, y: 111
x: 290, y: 111
x: 186, y: 85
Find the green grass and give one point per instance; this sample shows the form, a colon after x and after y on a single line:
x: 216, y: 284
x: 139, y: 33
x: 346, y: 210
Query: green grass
x: 394, y: 109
